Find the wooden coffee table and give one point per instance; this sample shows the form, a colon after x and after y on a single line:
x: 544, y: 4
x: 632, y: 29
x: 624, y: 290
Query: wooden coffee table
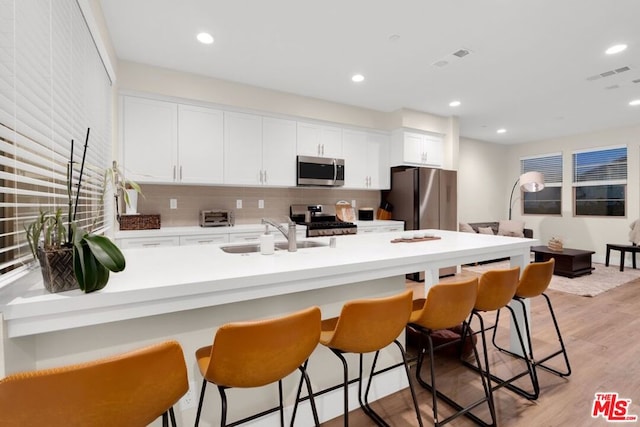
x: 569, y: 262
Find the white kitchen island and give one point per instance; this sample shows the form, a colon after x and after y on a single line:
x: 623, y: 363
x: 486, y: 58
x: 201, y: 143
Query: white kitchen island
x: 186, y: 292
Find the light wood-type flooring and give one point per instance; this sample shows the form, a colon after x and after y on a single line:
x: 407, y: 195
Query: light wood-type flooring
x: 602, y: 335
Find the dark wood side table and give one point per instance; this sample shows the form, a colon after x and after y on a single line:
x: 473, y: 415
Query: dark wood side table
x: 569, y: 262
x: 622, y: 248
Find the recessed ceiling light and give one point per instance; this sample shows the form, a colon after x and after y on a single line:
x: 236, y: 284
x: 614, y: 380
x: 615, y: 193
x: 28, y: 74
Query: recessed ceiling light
x: 357, y: 78
x: 454, y: 104
x: 501, y: 130
x: 635, y: 102
x: 205, y: 38
x: 615, y: 49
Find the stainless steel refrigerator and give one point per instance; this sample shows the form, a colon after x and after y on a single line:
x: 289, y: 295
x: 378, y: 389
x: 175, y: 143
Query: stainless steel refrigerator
x: 424, y: 198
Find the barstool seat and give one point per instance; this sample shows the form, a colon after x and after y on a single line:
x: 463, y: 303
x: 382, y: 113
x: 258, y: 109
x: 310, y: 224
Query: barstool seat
x: 257, y: 353
x: 365, y: 326
x: 447, y: 305
x: 130, y: 389
x: 535, y: 280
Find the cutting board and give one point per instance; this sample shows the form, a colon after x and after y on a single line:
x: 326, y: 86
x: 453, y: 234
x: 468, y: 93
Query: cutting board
x: 345, y: 212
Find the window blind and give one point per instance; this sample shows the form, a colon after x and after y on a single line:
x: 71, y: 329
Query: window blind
x: 549, y: 164
x: 53, y: 87
x: 595, y: 167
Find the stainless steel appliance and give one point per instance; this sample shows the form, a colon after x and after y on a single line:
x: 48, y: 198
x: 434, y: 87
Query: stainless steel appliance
x: 320, y: 171
x: 216, y: 218
x: 424, y: 198
x: 319, y: 222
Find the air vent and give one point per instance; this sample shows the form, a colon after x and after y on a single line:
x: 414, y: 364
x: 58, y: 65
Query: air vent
x: 609, y: 73
x: 635, y: 81
x: 612, y: 87
x: 452, y: 57
x: 461, y: 53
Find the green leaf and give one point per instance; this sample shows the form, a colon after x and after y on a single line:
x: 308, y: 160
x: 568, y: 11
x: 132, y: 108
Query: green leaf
x: 106, y: 252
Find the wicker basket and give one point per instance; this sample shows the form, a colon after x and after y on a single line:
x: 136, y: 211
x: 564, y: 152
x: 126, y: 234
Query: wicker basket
x: 139, y: 222
x: 57, y: 269
x: 555, y: 244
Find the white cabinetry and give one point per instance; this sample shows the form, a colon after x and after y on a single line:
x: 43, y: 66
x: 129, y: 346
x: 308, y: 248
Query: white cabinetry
x: 366, y: 159
x: 148, y: 242
x: 365, y: 227
x: 200, y: 145
x: 164, y: 142
x: 279, y: 152
x: 412, y: 148
x: 259, y: 150
x: 319, y: 140
x: 204, y: 239
x: 242, y: 149
x: 149, y: 139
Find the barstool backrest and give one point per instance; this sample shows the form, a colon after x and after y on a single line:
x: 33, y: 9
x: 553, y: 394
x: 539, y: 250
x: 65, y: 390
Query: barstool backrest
x: 535, y: 279
x: 447, y: 305
x: 256, y: 353
x: 496, y: 288
x: 132, y: 389
x: 370, y: 324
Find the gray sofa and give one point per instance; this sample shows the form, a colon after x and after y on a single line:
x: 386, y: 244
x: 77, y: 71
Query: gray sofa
x: 494, y: 226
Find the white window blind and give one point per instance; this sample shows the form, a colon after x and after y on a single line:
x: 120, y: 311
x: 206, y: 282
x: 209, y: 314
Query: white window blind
x: 549, y: 200
x: 53, y: 87
x: 600, y: 181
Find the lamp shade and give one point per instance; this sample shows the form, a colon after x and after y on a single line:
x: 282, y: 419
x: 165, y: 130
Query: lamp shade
x: 532, y: 182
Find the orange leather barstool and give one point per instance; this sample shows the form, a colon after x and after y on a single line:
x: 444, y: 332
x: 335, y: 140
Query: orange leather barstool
x: 533, y: 283
x: 257, y: 353
x: 131, y: 389
x: 447, y: 306
x: 365, y: 326
x: 496, y: 288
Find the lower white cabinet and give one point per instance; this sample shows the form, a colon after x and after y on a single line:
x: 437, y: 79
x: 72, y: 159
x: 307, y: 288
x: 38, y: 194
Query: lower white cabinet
x: 148, y: 242
x: 205, y: 239
x: 379, y: 228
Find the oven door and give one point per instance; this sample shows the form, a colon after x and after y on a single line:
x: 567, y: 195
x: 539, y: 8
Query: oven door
x: 320, y: 171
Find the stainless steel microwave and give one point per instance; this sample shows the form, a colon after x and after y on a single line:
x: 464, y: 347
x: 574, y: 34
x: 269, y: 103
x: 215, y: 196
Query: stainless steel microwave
x: 320, y: 171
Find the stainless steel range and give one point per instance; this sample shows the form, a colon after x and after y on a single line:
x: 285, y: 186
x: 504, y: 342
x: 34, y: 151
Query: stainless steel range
x: 319, y: 222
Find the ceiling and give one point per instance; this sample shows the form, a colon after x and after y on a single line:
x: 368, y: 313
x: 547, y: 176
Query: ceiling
x: 534, y: 67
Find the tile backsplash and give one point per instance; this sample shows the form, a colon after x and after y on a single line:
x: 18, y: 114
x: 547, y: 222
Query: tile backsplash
x: 192, y: 199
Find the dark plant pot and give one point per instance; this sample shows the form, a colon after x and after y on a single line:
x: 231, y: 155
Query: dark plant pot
x: 57, y: 269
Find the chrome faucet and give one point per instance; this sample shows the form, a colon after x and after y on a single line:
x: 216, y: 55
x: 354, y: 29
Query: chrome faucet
x: 289, y: 233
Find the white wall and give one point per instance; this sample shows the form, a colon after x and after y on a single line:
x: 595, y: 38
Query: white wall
x: 482, y: 176
x: 591, y: 233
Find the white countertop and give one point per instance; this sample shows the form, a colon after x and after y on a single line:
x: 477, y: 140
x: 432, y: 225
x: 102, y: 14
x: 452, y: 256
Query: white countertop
x: 170, y: 279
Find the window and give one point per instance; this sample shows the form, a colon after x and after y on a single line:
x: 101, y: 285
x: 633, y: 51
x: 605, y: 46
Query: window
x: 600, y: 182
x: 53, y: 86
x: 549, y: 200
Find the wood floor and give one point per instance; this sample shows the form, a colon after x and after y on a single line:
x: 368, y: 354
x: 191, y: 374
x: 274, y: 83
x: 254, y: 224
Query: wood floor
x: 602, y: 335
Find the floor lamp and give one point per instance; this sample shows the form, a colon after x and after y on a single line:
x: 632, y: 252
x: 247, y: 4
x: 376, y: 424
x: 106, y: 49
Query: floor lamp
x: 530, y: 182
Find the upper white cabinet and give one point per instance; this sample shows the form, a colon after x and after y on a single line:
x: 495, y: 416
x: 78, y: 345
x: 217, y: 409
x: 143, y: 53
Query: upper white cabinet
x: 279, y: 152
x: 242, y: 149
x: 412, y: 148
x: 164, y: 142
x: 200, y: 145
x: 149, y: 139
x: 259, y: 150
x: 319, y: 140
x: 366, y: 159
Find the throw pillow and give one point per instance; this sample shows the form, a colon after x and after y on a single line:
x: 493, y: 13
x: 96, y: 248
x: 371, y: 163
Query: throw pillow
x: 463, y: 226
x: 485, y: 230
x: 511, y: 228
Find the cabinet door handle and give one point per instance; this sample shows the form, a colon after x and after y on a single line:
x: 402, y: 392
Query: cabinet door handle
x: 180, y: 173
x: 319, y: 153
x: 323, y: 149
x: 260, y: 179
x: 174, y: 172
x: 265, y: 176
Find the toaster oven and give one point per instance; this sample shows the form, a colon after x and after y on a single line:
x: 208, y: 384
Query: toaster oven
x: 216, y: 218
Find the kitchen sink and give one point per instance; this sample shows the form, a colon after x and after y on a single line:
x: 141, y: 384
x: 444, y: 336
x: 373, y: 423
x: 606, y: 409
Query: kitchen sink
x: 279, y: 246
x: 241, y: 249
